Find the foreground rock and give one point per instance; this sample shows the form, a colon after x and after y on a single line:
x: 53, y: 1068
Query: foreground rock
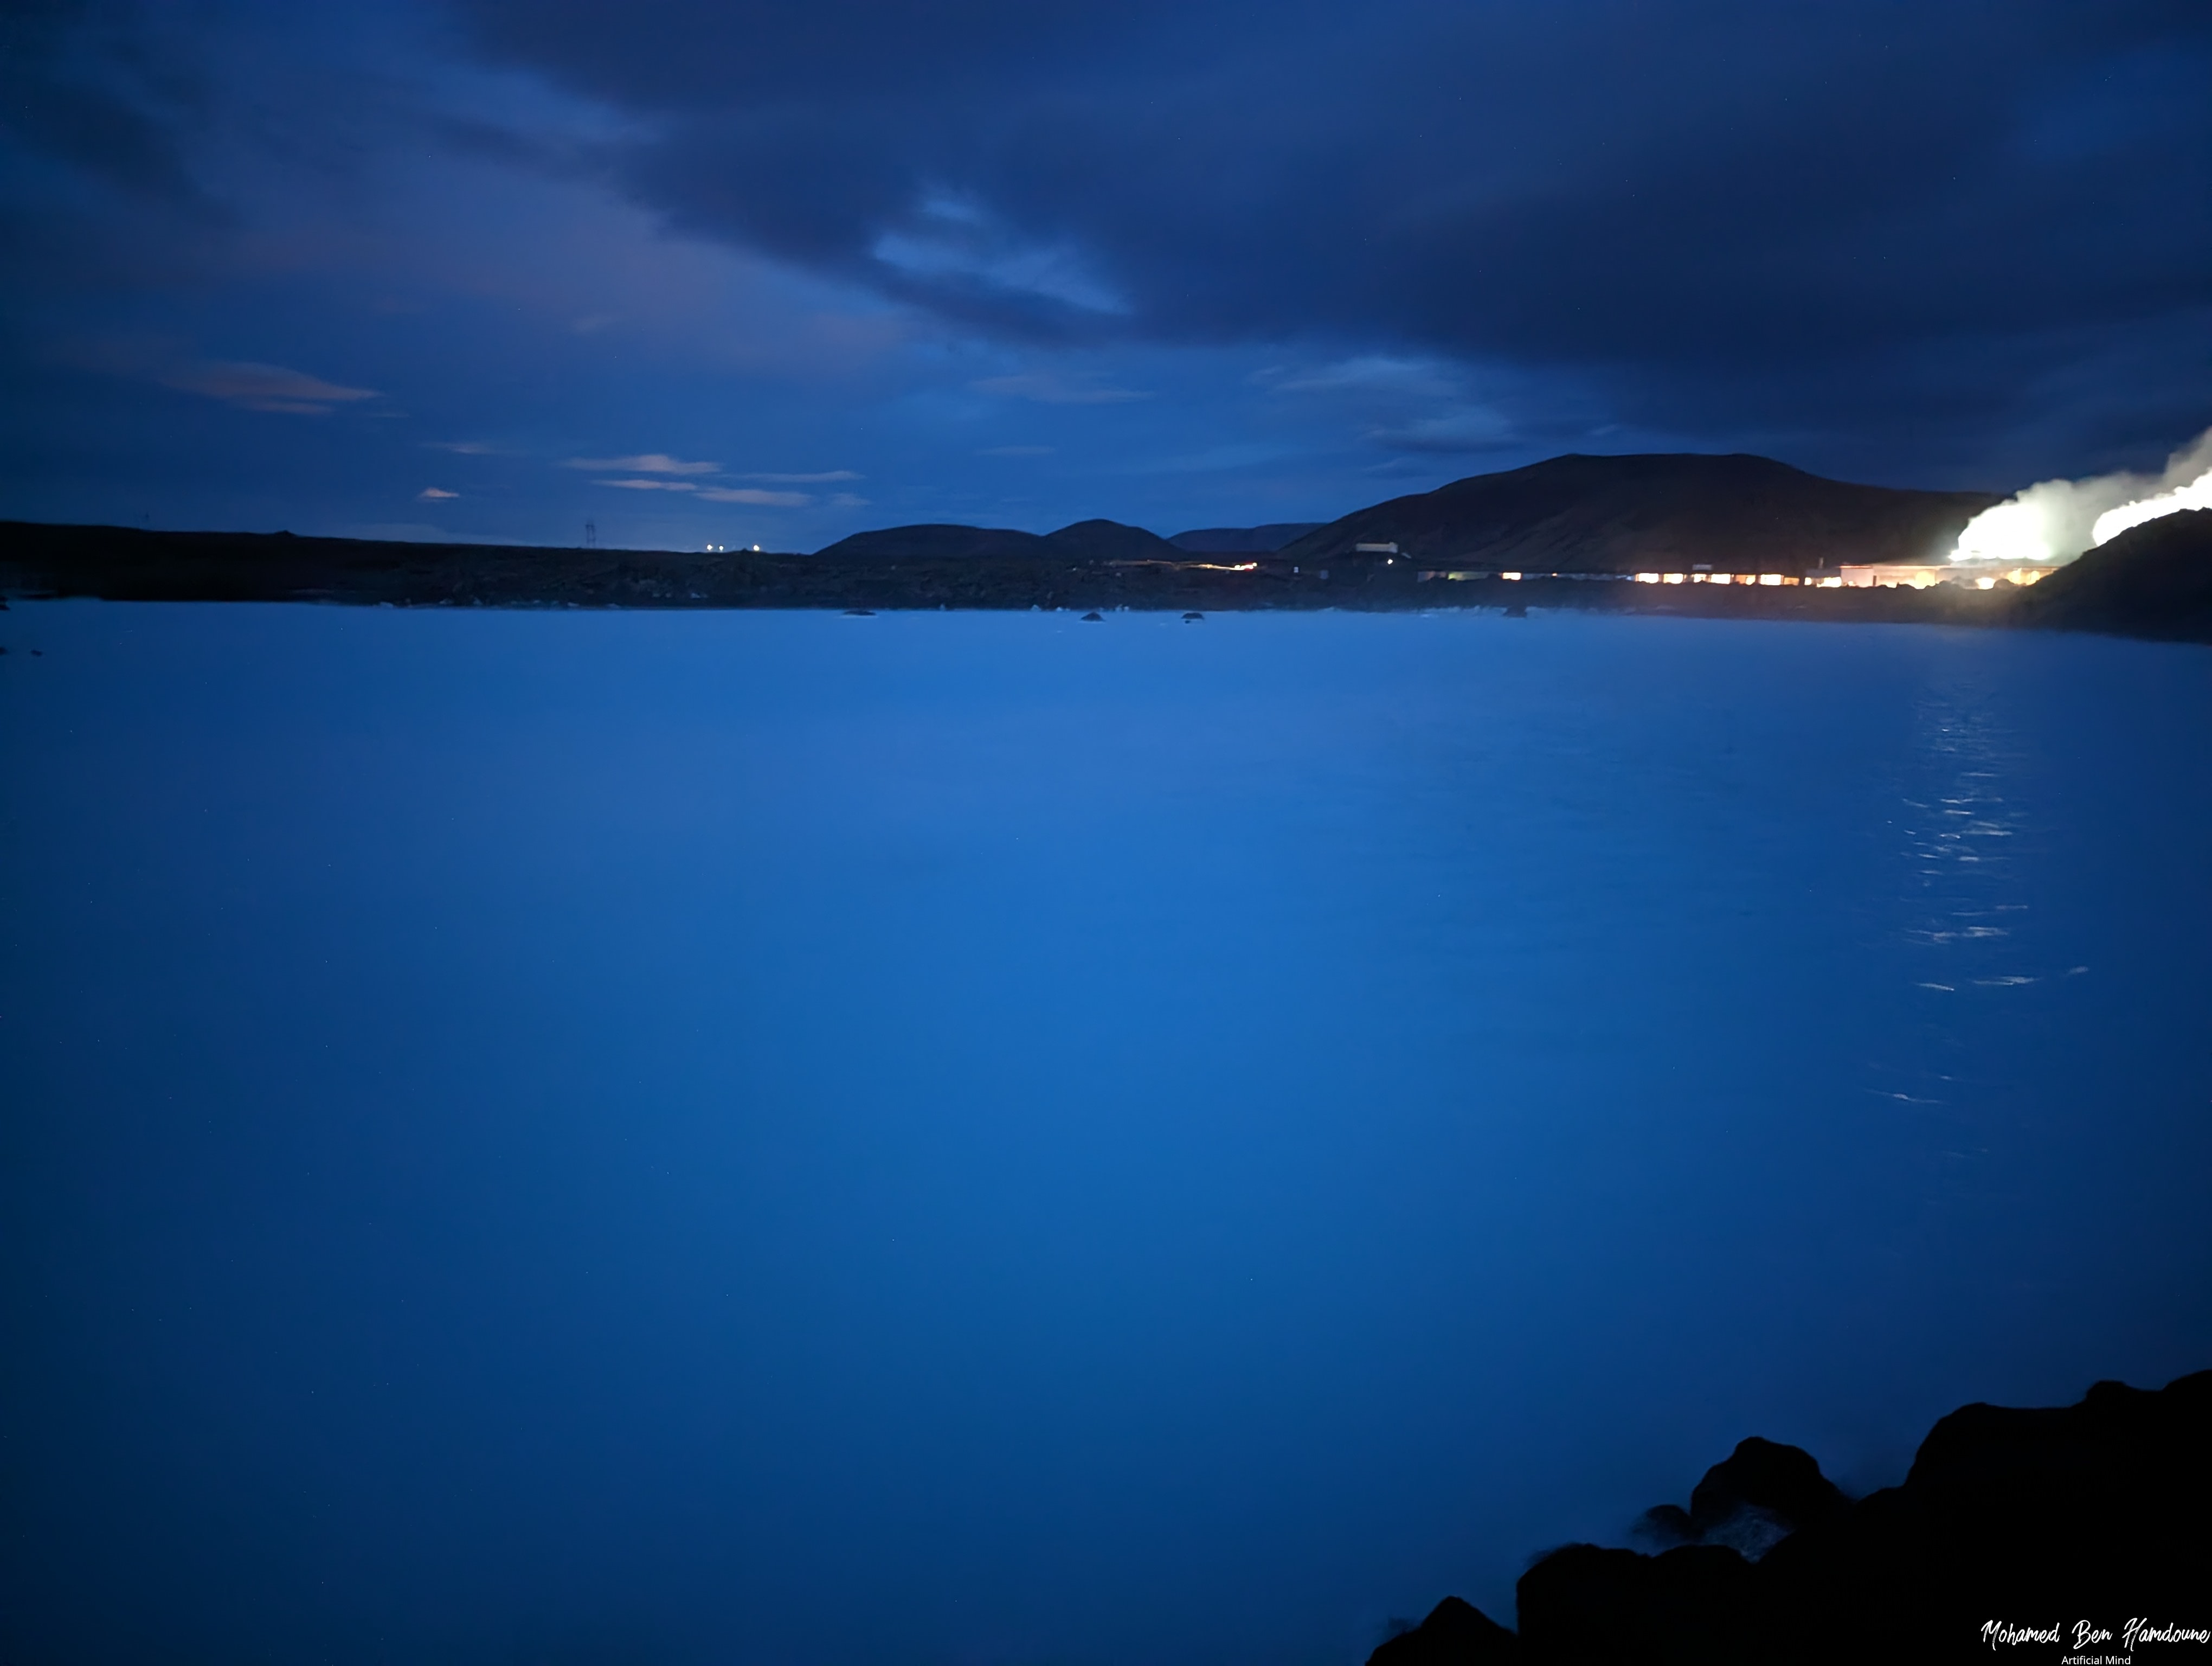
x: 2100, y: 1512
x: 2155, y: 580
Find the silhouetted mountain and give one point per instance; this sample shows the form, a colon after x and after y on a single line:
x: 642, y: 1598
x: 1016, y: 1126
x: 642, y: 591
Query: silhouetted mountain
x: 2094, y: 1511
x: 1109, y: 540
x: 1622, y: 514
x: 2155, y: 580
x: 1242, y: 540
x: 934, y: 542
x: 1087, y: 540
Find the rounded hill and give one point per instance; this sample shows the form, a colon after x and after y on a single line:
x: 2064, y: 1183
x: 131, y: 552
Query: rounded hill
x: 1622, y: 514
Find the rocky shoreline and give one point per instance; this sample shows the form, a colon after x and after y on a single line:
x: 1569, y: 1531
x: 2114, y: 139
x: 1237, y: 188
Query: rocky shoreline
x: 2017, y: 1535
x: 2155, y: 581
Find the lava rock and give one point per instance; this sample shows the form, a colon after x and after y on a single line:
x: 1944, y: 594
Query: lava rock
x: 1587, y: 1604
x: 1455, y: 1633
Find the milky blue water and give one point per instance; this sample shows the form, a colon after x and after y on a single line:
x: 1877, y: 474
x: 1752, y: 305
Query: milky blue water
x: 617, y: 1137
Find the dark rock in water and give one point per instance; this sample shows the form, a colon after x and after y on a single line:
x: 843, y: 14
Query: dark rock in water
x: 1668, y: 1525
x: 1784, y: 1480
x: 859, y: 612
x: 2100, y: 1511
x: 1586, y: 1605
x: 1193, y: 618
x: 1750, y: 1501
x: 2099, y: 1507
x: 1094, y: 619
x: 2155, y: 580
x: 1455, y: 1633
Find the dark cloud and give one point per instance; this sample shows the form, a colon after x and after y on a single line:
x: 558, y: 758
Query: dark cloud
x: 1679, y: 198
x: 82, y: 83
x: 1191, y: 264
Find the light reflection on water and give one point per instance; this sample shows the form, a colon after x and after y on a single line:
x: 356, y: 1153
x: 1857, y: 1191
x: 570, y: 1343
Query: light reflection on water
x: 603, y: 1136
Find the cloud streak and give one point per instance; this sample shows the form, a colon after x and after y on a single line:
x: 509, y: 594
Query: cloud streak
x: 1050, y: 390
x: 271, y: 387
x: 650, y: 462
x: 1690, y: 206
x: 754, y: 495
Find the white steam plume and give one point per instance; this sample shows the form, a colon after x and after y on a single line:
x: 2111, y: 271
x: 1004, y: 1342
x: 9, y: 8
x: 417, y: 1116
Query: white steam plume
x: 2055, y: 520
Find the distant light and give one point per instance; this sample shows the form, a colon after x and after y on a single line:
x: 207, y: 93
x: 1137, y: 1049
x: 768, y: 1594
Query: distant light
x: 1647, y: 578
x: 1770, y: 578
x: 1671, y: 578
x: 1508, y: 575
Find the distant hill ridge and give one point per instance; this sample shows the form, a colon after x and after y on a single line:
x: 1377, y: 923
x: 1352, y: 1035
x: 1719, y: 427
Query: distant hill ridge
x: 1242, y: 540
x: 1087, y: 540
x: 1621, y: 514
x: 1573, y: 513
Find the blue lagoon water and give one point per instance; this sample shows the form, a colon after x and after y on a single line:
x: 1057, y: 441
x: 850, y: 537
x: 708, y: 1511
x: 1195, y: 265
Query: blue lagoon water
x: 561, y: 1137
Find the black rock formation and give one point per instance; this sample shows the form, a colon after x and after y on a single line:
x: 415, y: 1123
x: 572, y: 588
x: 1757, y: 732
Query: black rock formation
x: 2155, y: 580
x: 1621, y: 514
x: 1455, y: 1633
x: 1750, y: 1501
x: 1588, y: 1604
x: 2099, y: 1511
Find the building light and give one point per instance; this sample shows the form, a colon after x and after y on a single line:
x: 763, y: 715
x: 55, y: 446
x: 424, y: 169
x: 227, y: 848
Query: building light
x: 1770, y: 578
x: 1671, y: 578
x: 1508, y: 575
x: 1647, y: 578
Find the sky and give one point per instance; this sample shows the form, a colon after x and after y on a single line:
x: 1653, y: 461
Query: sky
x: 702, y: 273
